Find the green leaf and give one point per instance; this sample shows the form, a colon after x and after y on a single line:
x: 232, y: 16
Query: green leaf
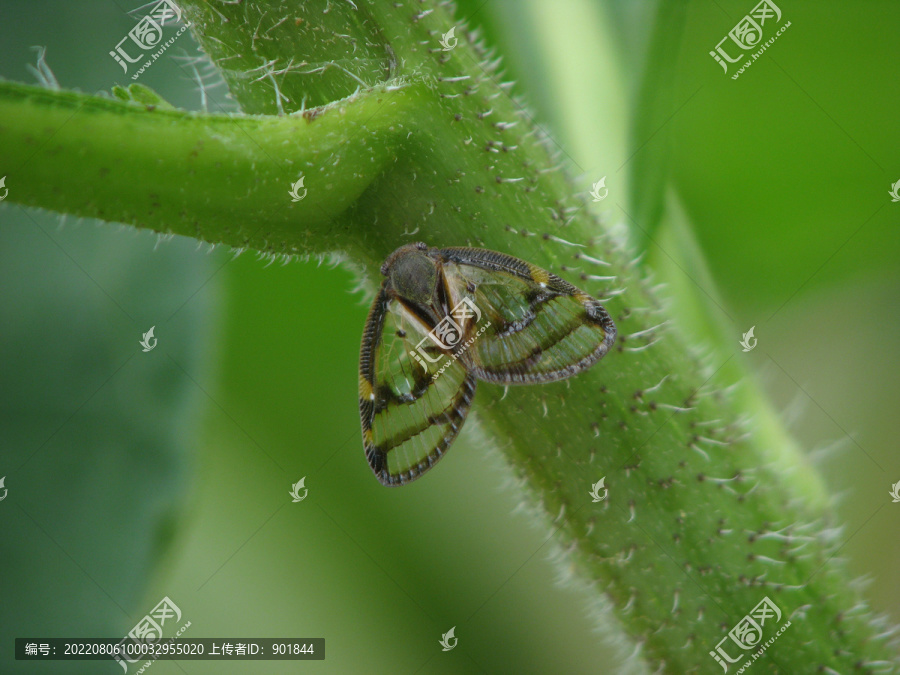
x: 95, y: 434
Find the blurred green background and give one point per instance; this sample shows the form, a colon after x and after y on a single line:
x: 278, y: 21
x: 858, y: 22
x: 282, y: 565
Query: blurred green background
x: 134, y: 476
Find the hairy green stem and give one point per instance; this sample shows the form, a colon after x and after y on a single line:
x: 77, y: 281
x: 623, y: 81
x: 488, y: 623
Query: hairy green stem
x: 219, y: 178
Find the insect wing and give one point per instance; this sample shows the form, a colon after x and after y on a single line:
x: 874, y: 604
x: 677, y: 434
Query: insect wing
x: 542, y: 328
x: 413, y: 396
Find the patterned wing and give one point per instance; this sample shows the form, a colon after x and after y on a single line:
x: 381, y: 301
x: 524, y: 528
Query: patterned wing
x: 542, y: 328
x: 409, y: 418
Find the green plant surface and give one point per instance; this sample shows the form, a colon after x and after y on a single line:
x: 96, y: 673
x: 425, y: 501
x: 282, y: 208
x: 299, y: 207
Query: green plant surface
x: 96, y: 484
x: 402, y: 141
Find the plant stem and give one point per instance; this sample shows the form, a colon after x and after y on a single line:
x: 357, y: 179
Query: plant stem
x: 220, y: 178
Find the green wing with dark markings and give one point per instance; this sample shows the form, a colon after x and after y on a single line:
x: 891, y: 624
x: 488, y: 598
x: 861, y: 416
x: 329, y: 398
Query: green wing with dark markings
x: 542, y: 328
x: 409, y: 418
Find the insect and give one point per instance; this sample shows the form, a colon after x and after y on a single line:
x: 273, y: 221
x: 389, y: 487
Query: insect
x: 447, y: 317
